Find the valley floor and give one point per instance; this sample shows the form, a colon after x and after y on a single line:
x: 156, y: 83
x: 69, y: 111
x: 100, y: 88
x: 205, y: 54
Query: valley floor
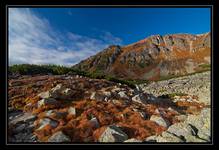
x: 66, y: 108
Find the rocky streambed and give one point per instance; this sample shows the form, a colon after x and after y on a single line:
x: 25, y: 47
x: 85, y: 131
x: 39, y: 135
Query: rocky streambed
x: 73, y: 109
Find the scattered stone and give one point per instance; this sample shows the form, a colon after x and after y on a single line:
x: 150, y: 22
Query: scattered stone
x: 47, y: 101
x: 59, y: 137
x: 113, y: 134
x: 19, y: 128
x: 46, y: 121
x: 160, y: 120
x: 123, y: 95
x: 95, y: 122
x: 98, y: 96
x: 50, y: 112
x: 44, y: 95
x: 24, y: 117
x: 181, y: 118
x: 72, y: 111
x: 168, y: 137
x: 140, y: 98
x: 152, y: 138
x: 133, y: 140
x: 143, y: 115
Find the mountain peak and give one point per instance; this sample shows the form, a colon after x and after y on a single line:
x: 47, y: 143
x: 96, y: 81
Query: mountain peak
x: 153, y: 57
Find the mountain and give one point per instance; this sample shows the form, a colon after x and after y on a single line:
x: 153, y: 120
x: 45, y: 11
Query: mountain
x: 153, y: 58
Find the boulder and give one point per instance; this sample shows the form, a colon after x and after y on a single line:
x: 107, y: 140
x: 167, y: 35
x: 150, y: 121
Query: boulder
x: 59, y: 137
x: 132, y: 140
x: 104, y: 96
x: 113, y: 134
x: 50, y: 112
x: 44, y: 94
x: 164, y: 137
x: 47, y: 101
x: 181, y: 118
x: 140, y: 98
x: 20, y: 128
x: 169, y: 137
x: 123, y: 95
x: 23, y: 118
x: 152, y: 138
x: 95, y: 122
x: 61, y: 92
x: 47, y: 121
x: 72, y: 110
x: 186, y: 131
x: 160, y: 120
x: 202, y: 123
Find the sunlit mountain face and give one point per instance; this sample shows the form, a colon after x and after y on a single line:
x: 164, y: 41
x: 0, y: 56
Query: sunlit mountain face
x: 153, y: 58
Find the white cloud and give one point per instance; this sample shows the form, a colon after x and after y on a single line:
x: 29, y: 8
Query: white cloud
x: 33, y: 40
x: 109, y: 37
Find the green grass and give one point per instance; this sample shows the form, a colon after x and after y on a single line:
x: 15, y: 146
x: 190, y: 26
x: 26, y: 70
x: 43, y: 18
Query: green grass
x: 205, y: 66
x: 29, y: 69
x: 142, y: 65
x: 172, y: 95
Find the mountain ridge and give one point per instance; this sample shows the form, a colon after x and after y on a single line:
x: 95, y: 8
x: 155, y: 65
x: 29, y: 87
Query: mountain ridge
x: 153, y: 57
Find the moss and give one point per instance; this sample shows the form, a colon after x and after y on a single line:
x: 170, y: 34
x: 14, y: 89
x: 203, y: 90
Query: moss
x: 205, y: 66
x: 172, y: 95
x: 142, y: 65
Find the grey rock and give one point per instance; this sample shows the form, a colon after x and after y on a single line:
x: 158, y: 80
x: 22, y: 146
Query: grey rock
x: 143, y: 115
x: 24, y: 117
x: 152, y: 138
x: 72, y: 111
x: 95, y: 122
x: 140, y: 98
x: 59, y: 137
x: 181, y: 118
x: 47, y: 101
x: 61, y: 92
x: 44, y: 94
x: 160, y: 120
x: 113, y: 134
x: 47, y: 121
x: 100, y: 96
x: 168, y: 137
x: 123, y: 95
x: 50, y: 112
x: 19, y: 128
x: 133, y: 140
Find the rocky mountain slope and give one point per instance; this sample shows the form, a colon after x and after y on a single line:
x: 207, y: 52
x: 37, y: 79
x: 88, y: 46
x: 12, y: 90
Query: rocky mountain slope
x: 72, y: 108
x: 198, y: 85
x: 153, y: 58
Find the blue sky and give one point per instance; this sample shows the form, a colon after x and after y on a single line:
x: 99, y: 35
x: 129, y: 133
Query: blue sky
x: 68, y: 35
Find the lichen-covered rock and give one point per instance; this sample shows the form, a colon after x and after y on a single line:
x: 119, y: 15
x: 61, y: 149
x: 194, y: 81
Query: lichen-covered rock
x: 47, y: 101
x: 160, y: 120
x: 100, y: 96
x: 47, y: 121
x: 95, y: 122
x: 113, y: 134
x: 59, y: 137
x: 61, y: 92
x: 168, y: 137
x: 140, y: 98
x: 133, y: 140
x: 123, y: 95
x: 72, y: 111
x: 44, y: 94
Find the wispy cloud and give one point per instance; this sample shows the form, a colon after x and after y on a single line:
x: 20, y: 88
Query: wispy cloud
x: 32, y: 39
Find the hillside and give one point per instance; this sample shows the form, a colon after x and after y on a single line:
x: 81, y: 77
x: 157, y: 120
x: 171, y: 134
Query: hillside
x: 73, y: 108
x: 153, y: 58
